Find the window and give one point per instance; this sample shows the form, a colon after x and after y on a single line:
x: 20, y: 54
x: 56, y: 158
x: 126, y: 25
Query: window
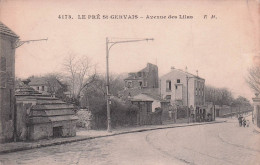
x: 129, y: 84
x: 168, y: 85
x: 2, y: 79
x: 11, y: 101
x: 178, y: 81
x: 139, y: 74
x: 168, y: 97
x: 145, y: 84
x: 42, y: 88
x: 140, y: 83
x: 38, y: 88
x: 176, y: 86
x: 196, y: 92
x: 3, y: 64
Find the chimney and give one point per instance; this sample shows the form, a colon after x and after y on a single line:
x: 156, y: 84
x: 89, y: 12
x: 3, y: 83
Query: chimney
x: 186, y: 69
x: 172, y: 68
x: 197, y: 73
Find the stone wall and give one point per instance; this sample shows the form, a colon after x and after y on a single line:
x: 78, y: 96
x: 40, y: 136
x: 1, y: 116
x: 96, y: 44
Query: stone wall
x: 256, y: 112
x: 85, y: 119
x: 45, y: 130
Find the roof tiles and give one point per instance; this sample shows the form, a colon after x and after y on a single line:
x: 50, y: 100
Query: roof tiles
x: 7, y: 31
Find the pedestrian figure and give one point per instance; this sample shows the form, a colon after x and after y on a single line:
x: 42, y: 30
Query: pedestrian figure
x: 244, y: 122
x: 247, y: 123
x: 240, y: 120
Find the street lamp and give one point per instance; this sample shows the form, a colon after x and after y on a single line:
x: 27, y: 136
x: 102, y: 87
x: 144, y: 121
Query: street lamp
x: 188, y: 115
x: 109, y: 45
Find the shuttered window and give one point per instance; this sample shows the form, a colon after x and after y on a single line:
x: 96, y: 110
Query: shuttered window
x: 2, y: 72
x: 3, y: 64
x: 2, y: 79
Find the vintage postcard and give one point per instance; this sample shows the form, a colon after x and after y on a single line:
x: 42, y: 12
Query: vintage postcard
x: 153, y: 82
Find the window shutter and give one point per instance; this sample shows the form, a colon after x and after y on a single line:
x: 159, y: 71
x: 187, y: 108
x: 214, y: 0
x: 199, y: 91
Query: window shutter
x: 2, y: 79
x: 3, y: 64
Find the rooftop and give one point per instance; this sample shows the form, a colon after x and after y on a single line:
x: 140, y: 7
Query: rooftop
x: 184, y: 72
x: 7, y: 31
x: 37, y: 81
x: 146, y: 70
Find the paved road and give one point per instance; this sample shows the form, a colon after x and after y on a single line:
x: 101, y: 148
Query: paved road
x: 200, y: 145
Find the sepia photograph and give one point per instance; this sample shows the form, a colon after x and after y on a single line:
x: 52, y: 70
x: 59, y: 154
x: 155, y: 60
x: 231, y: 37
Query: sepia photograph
x: 109, y: 82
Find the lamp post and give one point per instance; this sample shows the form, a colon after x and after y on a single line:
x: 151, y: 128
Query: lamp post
x: 231, y: 109
x: 109, y: 45
x: 188, y: 114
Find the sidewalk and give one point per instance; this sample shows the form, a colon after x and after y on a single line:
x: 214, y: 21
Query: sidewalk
x: 90, y: 134
x: 248, y: 138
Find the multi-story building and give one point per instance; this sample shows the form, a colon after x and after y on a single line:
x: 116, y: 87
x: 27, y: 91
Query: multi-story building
x: 7, y: 74
x: 145, y: 78
x: 183, y: 88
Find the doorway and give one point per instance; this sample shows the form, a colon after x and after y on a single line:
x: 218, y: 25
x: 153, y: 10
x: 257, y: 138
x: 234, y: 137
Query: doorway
x: 57, y: 131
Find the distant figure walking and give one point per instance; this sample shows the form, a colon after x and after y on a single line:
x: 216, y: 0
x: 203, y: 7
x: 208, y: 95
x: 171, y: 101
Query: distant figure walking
x: 240, y: 120
x: 244, y: 122
x: 247, y: 123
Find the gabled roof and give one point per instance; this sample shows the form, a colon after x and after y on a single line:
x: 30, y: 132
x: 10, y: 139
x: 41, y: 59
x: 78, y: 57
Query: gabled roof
x: 37, y: 81
x: 187, y: 73
x: 131, y: 92
x: 153, y: 96
x: 132, y: 77
x: 7, y: 31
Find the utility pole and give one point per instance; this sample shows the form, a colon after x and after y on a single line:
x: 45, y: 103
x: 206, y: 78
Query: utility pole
x: 188, y: 114
x: 214, y: 112
x: 109, y: 44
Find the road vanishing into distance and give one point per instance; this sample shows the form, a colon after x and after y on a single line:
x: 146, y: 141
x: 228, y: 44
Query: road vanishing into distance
x: 211, y: 144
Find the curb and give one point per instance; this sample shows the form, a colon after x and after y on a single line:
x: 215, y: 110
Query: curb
x: 101, y: 136
x: 256, y: 129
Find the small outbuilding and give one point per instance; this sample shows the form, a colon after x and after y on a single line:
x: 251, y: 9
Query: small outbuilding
x: 145, y: 115
x: 145, y: 109
x: 40, y: 116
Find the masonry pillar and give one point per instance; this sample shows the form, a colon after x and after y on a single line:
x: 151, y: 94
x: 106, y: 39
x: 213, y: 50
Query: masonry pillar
x: 256, y: 112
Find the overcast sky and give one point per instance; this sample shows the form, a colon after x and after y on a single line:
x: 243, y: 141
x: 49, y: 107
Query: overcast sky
x: 220, y: 49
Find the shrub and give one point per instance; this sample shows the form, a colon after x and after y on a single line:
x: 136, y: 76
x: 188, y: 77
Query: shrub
x: 121, y: 113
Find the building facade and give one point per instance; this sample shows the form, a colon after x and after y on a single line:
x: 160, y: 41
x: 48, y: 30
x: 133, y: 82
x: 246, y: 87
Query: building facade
x: 39, y: 84
x: 8, y: 41
x: 145, y: 78
x: 157, y: 101
x: 183, y: 88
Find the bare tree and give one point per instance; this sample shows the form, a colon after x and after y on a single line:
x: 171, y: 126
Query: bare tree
x: 80, y: 73
x: 55, y: 84
x: 220, y: 96
x: 253, y: 78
